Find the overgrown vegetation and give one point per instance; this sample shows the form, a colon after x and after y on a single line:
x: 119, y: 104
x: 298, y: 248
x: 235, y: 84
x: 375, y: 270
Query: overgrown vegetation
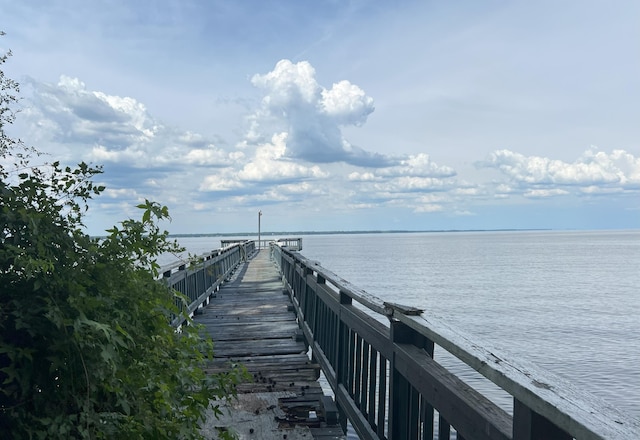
x: 86, y: 349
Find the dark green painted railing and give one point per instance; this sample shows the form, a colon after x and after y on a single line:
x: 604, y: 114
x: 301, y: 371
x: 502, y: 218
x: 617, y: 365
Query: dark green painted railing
x: 199, y: 279
x: 378, y: 359
x: 294, y: 244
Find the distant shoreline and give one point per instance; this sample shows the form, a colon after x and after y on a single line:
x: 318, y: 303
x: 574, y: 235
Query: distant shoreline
x: 297, y: 233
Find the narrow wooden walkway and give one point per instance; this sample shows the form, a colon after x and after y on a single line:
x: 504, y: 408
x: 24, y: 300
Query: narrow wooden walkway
x: 252, y: 322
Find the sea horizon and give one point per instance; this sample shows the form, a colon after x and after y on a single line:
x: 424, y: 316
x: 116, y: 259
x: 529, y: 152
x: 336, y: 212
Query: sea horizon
x: 388, y: 231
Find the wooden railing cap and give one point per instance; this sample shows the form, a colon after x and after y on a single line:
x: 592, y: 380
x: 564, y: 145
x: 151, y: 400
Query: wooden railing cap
x: 390, y: 308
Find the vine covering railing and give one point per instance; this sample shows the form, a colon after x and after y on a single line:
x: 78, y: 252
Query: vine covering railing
x: 388, y: 384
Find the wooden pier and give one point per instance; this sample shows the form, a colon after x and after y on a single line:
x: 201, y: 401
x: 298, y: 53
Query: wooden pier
x: 253, y: 323
x: 264, y: 308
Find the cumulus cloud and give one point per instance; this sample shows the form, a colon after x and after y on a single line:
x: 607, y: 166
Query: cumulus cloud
x: 304, y: 188
x: 594, y: 168
x: 142, y: 157
x: 363, y: 177
x: 120, y: 193
x: 594, y: 173
x: 419, y: 165
x: 269, y: 164
x: 543, y: 193
x: 212, y: 157
x: 98, y: 127
x: 220, y: 182
x: 73, y: 114
x: 411, y: 179
x: 412, y: 184
x: 295, y: 154
x: 312, y: 115
x: 346, y: 103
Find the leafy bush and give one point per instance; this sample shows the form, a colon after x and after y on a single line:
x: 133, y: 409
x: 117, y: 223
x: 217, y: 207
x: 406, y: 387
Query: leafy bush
x: 86, y: 349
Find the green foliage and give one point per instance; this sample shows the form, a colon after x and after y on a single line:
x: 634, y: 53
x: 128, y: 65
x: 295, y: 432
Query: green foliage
x: 8, y: 90
x: 86, y: 349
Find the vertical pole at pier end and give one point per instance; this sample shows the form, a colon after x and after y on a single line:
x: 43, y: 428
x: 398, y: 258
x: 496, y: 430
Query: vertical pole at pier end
x: 259, y: 215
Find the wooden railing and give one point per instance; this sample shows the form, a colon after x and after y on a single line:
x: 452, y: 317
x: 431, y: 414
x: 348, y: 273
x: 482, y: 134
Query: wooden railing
x: 230, y: 242
x: 199, y: 279
x: 388, y: 384
x: 292, y: 243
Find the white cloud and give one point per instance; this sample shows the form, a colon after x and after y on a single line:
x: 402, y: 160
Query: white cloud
x: 362, y: 206
x: 121, y: 193
x: 542, y: 193
x: 302, y: 188
x: 296, y: 156
x: 74, y: 114
x: 504, y: 189
x: 431, y: 198
x: 362, y: 177
x: 119, y: 132
x: 211, y: 157
x: 595, y: 172
x: 221, y: 182
x: 595, y: 190
x: 96, y: 126
x: 100, y: 154
x: 347, y: 103
x: 429, y: 208
x: 289, y: 83
x: 412, y: 184
x: 419, y: 165
x: 270, y: 164
x: 466, y: 191
x: 311, y: 115
x: 594, y: 167
x: 135, y: 111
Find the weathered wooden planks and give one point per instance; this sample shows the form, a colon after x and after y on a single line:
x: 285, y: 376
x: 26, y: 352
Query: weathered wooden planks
x: 252, y: 322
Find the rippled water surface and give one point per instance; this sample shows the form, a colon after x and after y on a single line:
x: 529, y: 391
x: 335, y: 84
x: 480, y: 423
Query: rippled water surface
x: 568, y: 301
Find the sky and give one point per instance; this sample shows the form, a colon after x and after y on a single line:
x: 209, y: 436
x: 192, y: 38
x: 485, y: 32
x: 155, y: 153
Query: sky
x: 338, y: 115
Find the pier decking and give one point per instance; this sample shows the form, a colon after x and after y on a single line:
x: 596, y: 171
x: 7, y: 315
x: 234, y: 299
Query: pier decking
x: 264, y: 309
x: 252, y: 322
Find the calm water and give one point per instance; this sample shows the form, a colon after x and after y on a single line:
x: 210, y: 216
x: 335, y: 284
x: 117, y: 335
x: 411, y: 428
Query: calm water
x: 568, y: 301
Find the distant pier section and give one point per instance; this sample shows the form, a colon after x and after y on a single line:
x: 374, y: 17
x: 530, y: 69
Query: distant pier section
x: 294, y: 244
x: 286, y: 318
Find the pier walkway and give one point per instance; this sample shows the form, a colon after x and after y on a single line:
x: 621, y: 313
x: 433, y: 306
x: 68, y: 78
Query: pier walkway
x: 253, y: 323
x: 265, y: 309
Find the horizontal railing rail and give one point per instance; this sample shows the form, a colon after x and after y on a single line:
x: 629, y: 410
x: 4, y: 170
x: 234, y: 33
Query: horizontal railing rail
x: 294, y: 244
x: 388, y: 384
x: 291, y: 243
x: 199, y: 279
x: 231, y: 242
x: 260, y: 244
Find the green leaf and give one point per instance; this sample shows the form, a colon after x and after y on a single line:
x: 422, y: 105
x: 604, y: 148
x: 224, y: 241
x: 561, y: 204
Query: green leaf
x: 91, y: 352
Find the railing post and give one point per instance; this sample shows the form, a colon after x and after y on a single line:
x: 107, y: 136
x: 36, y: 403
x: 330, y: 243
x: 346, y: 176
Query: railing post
x: 406, y: 410
x: 342, y: 342
x: 315, y: 319
x: 303, y: 298
x: 342, y: 354
x: 529, y: 425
